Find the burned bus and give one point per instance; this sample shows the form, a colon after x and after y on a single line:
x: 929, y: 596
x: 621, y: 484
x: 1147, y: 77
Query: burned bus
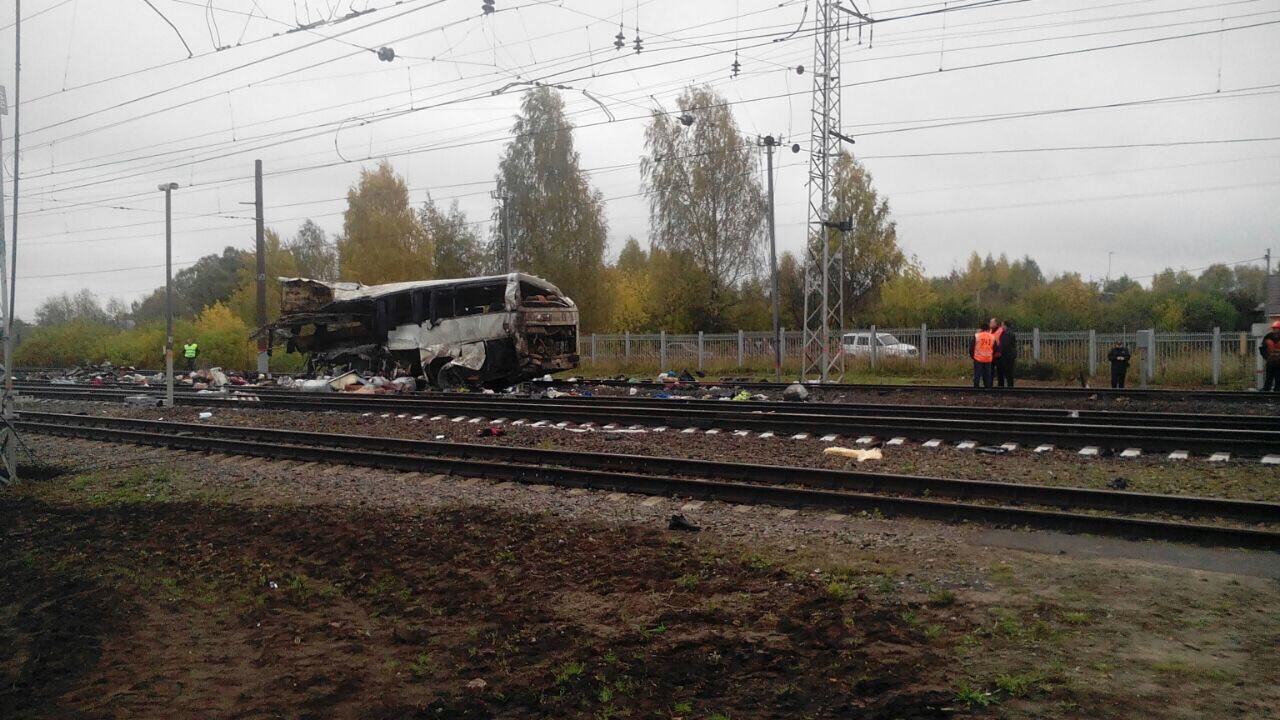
x: 493, y: 331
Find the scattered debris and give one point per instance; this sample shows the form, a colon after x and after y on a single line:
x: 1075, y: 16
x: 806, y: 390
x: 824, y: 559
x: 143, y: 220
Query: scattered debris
x: 680, y: 522
x: 858, y: 454
x: 795, y: 392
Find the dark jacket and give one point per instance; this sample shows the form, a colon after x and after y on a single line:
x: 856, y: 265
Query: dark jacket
x: 1009, y: 345
x: 1119, y: 356
x: 1269, y: 348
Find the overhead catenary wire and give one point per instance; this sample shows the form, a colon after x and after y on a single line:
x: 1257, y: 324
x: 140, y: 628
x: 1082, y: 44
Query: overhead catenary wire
x: 877, y: 80
x: 279, y: 132
x: 1220, y: 36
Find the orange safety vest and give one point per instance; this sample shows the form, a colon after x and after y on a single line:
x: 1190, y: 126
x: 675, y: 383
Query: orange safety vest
x: 984, y: 346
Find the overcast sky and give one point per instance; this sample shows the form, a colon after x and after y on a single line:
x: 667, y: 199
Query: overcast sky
x: 112, y: 107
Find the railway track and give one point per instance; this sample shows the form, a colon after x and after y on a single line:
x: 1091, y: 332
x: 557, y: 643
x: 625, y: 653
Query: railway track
x: 1145, y: 432
x: 1056, y: 508
x: 925, y: 390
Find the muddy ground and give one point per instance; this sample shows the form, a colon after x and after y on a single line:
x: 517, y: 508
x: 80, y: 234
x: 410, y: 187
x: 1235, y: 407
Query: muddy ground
x: 147, y: 583
x: 1243, y: 479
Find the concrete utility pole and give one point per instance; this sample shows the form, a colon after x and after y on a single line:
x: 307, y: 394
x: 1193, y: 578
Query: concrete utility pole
x: 168, y: 189
x: 769, y: 143
x: 263, y: 349
x: 8, y: 439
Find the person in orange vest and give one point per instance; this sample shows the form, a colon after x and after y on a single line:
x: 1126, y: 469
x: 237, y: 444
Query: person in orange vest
x: 1269, y: 348
x: 983, y: 351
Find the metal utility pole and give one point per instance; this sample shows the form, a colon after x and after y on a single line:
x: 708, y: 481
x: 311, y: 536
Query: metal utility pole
x: 769, y: 143
x: 507, y: 261
x: 824, y: 257
x: 262, y: 267
x: 8, y: 439
x: 168, y: 189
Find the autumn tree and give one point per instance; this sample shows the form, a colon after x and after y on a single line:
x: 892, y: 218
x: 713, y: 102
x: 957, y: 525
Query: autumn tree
x: 704, y: 199
x: 382, y: 240
x: 458, y: 251
x: 280, y: 263
x: 556, y: 219
x: 871, y: 252
x: 65, y: 308
x: 907, y: 299
x: 790, y: 291
x: 211, y: 279
x: 313, y: 254
x: 631, y: 284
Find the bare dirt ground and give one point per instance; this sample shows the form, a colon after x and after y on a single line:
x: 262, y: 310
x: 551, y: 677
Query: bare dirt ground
x: 147, y: 583
x: 1244, y: 479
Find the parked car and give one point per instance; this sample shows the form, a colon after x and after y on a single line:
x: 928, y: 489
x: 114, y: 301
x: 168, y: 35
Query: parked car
x: 858, y: 344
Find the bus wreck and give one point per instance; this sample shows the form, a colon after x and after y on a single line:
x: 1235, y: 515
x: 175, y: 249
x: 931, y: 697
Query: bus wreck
x: 493, y: 331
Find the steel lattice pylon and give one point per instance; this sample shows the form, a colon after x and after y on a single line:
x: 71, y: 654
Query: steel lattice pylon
x: 824, y: 256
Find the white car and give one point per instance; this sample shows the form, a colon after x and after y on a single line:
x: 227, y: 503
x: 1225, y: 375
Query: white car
x: 858, y: 344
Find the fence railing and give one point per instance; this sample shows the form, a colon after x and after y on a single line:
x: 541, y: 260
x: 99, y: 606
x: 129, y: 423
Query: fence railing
x: 1214, y: 357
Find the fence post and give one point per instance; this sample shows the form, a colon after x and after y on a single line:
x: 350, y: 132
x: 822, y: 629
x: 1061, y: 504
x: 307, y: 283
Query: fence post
x: 875, y: 341
x: 924, y: 344
x: 593, y: 348
x: 626, y: 346
x: 662, y: 351
x: 1035, y: 343
x: 1147, y: 341
x: 1217, y: 354
x: 1093, y: 352
x: 781, y: 340
x: 741, y: 350
x: 699, y: 349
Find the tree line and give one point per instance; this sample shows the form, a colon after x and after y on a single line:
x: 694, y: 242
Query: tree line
x: 702, y: 267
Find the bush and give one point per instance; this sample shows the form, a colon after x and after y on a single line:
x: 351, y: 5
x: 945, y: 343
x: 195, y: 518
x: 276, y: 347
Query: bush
x: 72, y: 343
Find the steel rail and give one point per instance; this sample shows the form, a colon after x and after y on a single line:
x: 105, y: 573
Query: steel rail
x: 1020, y: 391
x: 806, y: 418
x: 962, y: 412
x: 1056, y: 496
x: 690, y: 479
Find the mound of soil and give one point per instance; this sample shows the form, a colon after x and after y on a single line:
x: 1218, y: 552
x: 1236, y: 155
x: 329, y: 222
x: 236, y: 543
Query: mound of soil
x: 184, y: 610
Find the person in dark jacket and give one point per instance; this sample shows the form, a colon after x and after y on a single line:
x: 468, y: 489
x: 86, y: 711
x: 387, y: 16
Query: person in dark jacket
x: 1119, y: 358
x: 1007, y: 354
x: 1269, y: 349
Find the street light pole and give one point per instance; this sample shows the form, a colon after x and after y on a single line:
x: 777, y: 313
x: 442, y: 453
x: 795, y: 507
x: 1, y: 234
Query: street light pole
x: 168, y: 189
x: 769, y: 143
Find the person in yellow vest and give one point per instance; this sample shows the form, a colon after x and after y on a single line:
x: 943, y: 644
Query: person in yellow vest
x: 190, y: 351
x: 983, y: 351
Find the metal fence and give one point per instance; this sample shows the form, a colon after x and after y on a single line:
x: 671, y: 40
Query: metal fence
x: 1197, y: 358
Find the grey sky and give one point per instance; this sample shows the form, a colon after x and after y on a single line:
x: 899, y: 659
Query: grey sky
x: 1184, y: 205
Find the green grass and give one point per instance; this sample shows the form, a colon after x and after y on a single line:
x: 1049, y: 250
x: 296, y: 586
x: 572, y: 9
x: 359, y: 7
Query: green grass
x: 568, y: 671
x: 974, y: 697
x: 1019, y: 685
x: 942, y: 598
x: 839, y: 590
x: 687, y: 582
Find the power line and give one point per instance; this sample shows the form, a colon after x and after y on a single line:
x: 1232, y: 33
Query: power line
x: 398, y: 92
